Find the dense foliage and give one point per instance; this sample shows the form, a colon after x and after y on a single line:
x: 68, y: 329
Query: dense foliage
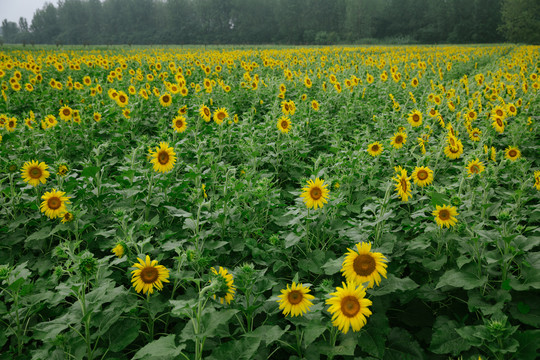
x: 368, y: 203
x: 278, y: 21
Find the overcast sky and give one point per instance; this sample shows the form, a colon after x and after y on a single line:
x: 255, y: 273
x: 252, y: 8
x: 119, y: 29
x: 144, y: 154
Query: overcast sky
x: 14, y: 9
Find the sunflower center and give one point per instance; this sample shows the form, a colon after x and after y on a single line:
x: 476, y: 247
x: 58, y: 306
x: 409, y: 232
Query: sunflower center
x: 471, y: 114
x: 512, y: 153
x: 35, y: 173
x: 163, y: 157
x: 399, y: 139
x: 179, y: 123
x: 444, y: 214
x: 122, y: 98
x: 284, y: 124
x: 350, y: 306
x: 315, y: 193
x: 54, y: 203
x: 415, y: 117
x: 221, y: 115
x: 295, y: 297
x: 475, y: 169
x: 454, y: 150
x: 149, y: 275
x: 403, y: 185
x: 499, y: 122
x: 364, y: 265
x: 512, y: 109
x: 206, y: 112
x: 166, y: 99
x: 67, y: 112
x: 422, y: 174
x: 375, y: 148
x: 11, y: 124
x: 499, y: 112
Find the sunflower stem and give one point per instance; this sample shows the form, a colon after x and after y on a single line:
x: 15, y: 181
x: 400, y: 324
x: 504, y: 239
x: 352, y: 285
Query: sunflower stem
x: 150, y: 188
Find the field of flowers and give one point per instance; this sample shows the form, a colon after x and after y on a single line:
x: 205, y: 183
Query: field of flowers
x: 254, y: 203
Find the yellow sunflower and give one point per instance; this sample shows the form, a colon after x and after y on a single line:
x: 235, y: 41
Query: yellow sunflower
x: 122, y: 99
x: 295, y: 300
x: 537, y: 179
x: 415, y: 118
x: 498, y: 124
x: 34, y: 172
x: 66, y: 217
x: 97, y: 117
x: 284, y: 124
x: 163, y: 158
x: 454, y: 152
x: 475, y: 134
x: 475, y: 167
x: 315, y: 193
x: 66, y: 113
x: 119, y: 250
x: 403, y: 185
x: 445, y: 215
x: 11, y: 124
x: 315, y: 105
x: 165, y: 99
x: 148, y: 274
x: 349, y: 307
x: 512, y: 153
x: 179, y: 124
x: 364, y: 266
x: 54, y: 203
x: 229, y: 294
x: 375, y: 149
x: 205, y: 113
x: 398, y: 140
x: 220, y: 115
x: 422, y: 176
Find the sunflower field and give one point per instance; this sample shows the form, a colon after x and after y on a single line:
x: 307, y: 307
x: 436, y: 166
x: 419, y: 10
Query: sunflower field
x: 270, y: 203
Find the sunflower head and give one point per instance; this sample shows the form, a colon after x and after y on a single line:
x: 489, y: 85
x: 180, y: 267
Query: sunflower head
x: 220, y: 115
x: 403, y: 185
x: 375, y: 149
x: 148, y: 274
x: 179, y: 124
x: 54, y: 203
x: 35, y: 173
x: 284, y: 124
x: 67, y: 217
x: 163, y: 157
x: 295, y: 300
x: 225, y: 288
x: 398, y: 140
x: 422, y: 176
x: 512, y: 153
x: 205, y: 113
x: 445, y: 215
x: 415, y: 118
x: 475, y: 167
x: 363, y: 266
x: 349, y: 307
x: 165, y: 99
x: 315, y: 193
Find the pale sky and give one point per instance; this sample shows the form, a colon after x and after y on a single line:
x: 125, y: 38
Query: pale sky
x: 14, y: 9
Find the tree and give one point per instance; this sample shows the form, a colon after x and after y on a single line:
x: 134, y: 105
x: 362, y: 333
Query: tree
x: 521, y: 21
x: 10, y: 30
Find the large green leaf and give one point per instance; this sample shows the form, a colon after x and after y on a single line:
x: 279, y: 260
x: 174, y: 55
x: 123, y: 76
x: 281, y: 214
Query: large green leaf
x: 445, y: 340
x: 461, y: 279
x: 163, y: 348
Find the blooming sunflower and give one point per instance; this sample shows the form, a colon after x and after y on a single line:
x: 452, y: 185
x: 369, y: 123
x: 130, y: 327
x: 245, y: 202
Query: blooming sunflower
x: 205, y: 113
x: 65, y: 113
x: 229, y: 294
x: 375, y: 149
x: 179, y: 124
x: 62, y: 170
x: 512, y: 153
x: 454, y: 152
x: 364, y: 266
x: 349, y: 307
x: 475, y: 167
x: 422, y: 176
x: 415, y: 118
x: 315, y: 193
x: 475, y: 134
x: 315, y: 105
x: 398, y: 140
x: 54, y: 203
x: 163, y: 158
x: 34, y: 172
x: 444, y: 215
x: 119, y: 250
x: 165, y: 99
x: 220, y: 115
x: 11, y: 124
x: 498, y: 124
x: 122, y: 99
x: 284, y: 124
x: 148, y: 274
x: 295, y: 300
x: 403, y: 186
x: 66, y: 217
x: 97, y: 117
x: 537, y: 179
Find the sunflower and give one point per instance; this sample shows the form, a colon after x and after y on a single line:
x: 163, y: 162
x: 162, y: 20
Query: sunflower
x: 403, y: 186
x: 284, y: 124
x: 163, y: 158
x: 315, y: 193
x: 315, y: 105
x: 307, y: 82
x: 66, y: 217
x: 537, y: 179
x: 499, y: 112
x: 295, y: 300
x: 97, y: 117
x: 11, y: 124
x: 179, y: 124
x: 498, y: 124
x: 165, y: 99
x: 512, y: 153
x: 220, y: 115
x: 444, y: 215
x: 122, y: 99
x: 148, y: 274
x: 422, y: 176
x: 415, y: 118
x: 349, y: 307
x: 364, y: 266
x: 205, y: 113
x: 454, y: 152
x: 475, y: 167
x: 228, y: 295
x: 475, y: 134
x: 54, y: 203
x: 375, y: 149
x: 119, y: 250
x: 398, y: 140
x: 34, y: 172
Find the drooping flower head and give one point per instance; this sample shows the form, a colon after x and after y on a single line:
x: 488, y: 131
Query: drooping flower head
x: 227, y: 295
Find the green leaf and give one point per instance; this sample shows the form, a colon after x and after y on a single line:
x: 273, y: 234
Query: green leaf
x: 445, y: 340
x: 529, y: 343
x: 393, y: 284
x: 461, y: 279
x: 123, y: 333
x: 162, y: 348
x: 372, y: 343
x: 401, y: 345
x: 291, y: 239
x: 243, y: 349
x: 333, y: 266
x: 174, y: 212
x: 90, y: 171
x: 43, y: 233
x: 312, y: 332
x: 212, y: 319
x: 267, y: 333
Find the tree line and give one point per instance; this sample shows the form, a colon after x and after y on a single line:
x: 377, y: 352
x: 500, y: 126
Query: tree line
x: 88, y: 22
